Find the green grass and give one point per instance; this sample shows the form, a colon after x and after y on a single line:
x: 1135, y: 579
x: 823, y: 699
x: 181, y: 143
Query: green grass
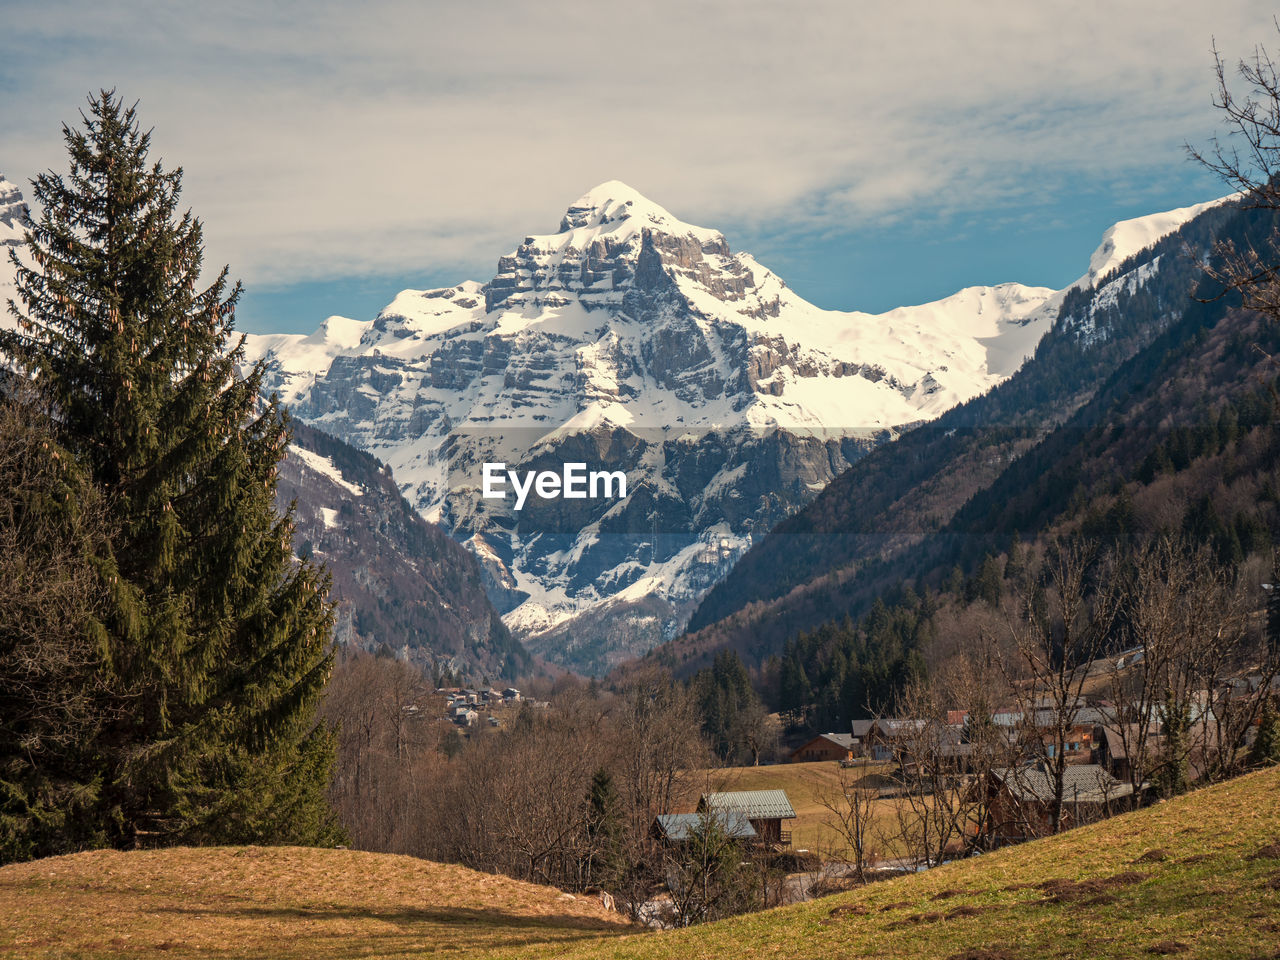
x: 1195, y: 877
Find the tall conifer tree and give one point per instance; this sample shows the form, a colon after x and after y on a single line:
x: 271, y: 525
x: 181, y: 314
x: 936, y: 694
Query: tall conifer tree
x: 52, y: 544
x: 218, y: 635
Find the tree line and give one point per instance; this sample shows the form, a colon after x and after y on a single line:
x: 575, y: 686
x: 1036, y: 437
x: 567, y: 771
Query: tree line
x: 566, y: 795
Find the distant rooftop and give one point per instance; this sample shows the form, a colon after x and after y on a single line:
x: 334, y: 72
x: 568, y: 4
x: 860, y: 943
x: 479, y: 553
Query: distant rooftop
x: 846, y: 740
x: 1082, y: 783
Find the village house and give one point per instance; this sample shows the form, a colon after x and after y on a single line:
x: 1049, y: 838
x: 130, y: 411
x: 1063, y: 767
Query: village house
x: 764, y: 809
x: 1020, y: 800
x: 1117, y: 743
x: 838, y: 747
x: 1078, y: 747
x: 883, y: 739
x: 935, y: 750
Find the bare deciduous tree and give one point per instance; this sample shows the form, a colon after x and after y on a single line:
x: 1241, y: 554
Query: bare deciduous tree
x: 851, y: 806
x: 1065, y: 617
x: 1249, y: 161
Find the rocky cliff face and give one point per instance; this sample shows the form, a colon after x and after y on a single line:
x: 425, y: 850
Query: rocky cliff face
x: 628, y: 340
x: 13, y: 211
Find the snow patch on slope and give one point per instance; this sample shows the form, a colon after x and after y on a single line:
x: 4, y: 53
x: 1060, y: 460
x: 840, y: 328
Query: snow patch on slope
x: 324, y: 466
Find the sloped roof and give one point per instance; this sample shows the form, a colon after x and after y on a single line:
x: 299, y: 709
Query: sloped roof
x: 894, y: 727
x: 753, y: 804
x: 1082, y: 783
x: 845, y: 741
x: 678, y: 826
x: 1116, y: 737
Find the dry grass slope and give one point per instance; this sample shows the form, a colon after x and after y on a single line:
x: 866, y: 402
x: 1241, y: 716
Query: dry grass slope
x: 279, y: 902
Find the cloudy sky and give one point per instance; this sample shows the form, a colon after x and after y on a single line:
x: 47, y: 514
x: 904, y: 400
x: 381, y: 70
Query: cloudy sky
x: 872, y: 153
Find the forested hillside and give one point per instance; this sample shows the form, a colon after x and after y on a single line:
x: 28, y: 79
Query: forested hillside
x: 1132, y: 368
x: 400, y: 583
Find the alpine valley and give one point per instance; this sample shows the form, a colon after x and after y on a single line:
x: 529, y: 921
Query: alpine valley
x: 631, y: 341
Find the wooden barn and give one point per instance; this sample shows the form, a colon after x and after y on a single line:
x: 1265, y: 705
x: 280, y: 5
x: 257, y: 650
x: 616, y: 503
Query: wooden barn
x: 764, y: 809
x: 827, y: 746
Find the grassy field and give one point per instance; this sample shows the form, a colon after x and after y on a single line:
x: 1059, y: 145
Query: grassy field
x: 1197, y: 877
x: 805, y: 783
x: 280, y: 902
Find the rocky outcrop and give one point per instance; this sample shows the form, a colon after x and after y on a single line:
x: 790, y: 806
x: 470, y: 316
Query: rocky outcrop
x: 13, y: 217
x: 14, y: 213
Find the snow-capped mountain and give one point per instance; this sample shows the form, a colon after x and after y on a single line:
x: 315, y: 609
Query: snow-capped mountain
x: 747, y: 329
x: 13, y: 212
x: 630, y: 340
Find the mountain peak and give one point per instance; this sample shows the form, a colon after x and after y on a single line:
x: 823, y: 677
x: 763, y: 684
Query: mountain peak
x: 1127, y: 237
x: 614, y: 207
x: 611, y: 192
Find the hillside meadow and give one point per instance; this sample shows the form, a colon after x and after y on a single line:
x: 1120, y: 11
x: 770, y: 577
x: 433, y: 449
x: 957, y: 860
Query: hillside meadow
x: 286, y: 903
x: 1197, y: 877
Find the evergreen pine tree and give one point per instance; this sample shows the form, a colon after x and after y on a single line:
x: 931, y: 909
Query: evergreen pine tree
x: 51, y: 542
x: 795, y: 693
x: 988, y: 584
x: 1015, y: 565
x: 1176, y: 721
x: 605, y: 863
x: 1266, y: 743
x: 218, y: 636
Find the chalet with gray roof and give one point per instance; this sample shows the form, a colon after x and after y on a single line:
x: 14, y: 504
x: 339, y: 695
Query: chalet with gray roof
x: 884, y: 738
x: 1020, y: 800
x: 765, y: 809
x: 675, y: 828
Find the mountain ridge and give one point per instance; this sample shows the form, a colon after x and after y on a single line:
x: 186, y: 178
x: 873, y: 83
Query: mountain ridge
x: 999, y: 466
x: 400, y: 583
x: 633, y: 339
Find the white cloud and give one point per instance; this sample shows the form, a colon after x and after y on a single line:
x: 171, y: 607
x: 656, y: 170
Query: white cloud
x: 323, y: 139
